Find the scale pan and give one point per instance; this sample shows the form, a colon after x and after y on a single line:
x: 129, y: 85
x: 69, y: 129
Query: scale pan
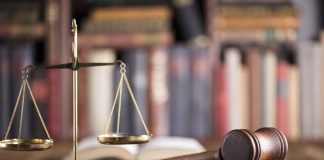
x: 26, y: 144
x: 123, y: 139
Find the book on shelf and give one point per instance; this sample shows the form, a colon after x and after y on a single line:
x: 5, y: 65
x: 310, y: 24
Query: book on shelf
x: 125, y: 27
x: 5, y: 87
x: 100, y: 90
x: 234, y: 89
x: 159, y: 97
x: 136, y: 61
x: 201, y: 117
x: 20, y: 20
x: 254, y: 16
x: 253, y: 60
x: 220, y: 102
x: 158, y: 148
x: 180, y: 79
x: 137, y: 69
x: 282, y: 73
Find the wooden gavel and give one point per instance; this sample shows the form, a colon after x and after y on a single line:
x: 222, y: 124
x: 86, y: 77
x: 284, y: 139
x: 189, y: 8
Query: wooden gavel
x: 242, y: 144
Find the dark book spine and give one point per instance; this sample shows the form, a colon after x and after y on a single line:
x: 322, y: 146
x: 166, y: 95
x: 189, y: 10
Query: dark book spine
x: 5, y: 88
x: 179, y: 80
x: 53, y: 76
x: 200, y: 95
x: 127, y: 107
x: 39, y: 89
x: 138, y: 75
x: 188, y: 19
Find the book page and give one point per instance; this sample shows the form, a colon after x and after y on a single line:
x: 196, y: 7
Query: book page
x: 90, y: 149
x: 166, y: 147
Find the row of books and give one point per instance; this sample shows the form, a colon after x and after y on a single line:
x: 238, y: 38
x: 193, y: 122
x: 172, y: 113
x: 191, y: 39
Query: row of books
x: 255, y: 86
x: 279, y: 87
x: 20, y: 20
x: 122, y: 27
x: 256, y: 22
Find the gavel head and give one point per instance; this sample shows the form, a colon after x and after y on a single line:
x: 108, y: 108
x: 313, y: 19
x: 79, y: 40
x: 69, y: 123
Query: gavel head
x: 263, y: 144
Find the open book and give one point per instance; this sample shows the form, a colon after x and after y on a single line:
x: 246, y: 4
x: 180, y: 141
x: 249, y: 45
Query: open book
x: 157, y: 148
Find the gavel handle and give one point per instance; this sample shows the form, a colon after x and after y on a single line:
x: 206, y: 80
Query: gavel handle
x: 208, y: 155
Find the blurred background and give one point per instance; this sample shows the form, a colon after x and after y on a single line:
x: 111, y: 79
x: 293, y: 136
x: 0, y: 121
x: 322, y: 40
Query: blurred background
x: 197, y: 68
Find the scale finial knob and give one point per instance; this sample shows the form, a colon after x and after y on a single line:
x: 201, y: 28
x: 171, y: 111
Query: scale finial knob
x: 74, y: 26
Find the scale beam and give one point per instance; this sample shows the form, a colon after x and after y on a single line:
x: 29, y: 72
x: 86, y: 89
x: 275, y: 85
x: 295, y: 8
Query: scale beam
x: 79, y: 65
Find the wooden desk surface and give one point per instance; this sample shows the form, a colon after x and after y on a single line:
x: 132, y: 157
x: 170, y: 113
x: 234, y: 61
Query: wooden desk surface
x: 297, y: 151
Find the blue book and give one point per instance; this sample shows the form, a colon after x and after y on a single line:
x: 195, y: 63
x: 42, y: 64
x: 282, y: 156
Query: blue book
x: 200, y: 95
x: 179, y: 87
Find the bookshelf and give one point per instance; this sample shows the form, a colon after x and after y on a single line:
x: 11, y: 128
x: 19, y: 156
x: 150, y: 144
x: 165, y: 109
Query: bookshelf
x: 184, y: 90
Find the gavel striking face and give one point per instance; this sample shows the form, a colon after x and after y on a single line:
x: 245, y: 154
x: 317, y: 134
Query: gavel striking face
x: 263, y: 144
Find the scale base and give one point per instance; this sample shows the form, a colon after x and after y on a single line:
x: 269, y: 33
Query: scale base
x: 123, y: 139
x: 26, y: 144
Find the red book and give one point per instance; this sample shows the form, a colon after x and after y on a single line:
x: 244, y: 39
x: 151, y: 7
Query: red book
x: 282, y: 110
x: 220, y: 102
x: 54, y: 105
x: 158, y: 92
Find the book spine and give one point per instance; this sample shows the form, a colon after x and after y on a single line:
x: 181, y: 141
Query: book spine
x: 100, y: 91
x: 122, y: 25
x: 294, y: 103
x: 188, y: 19
x: 21, y: 30
x: 221, y: 103
x: 54, y: 77
x: 5, y: 88
x: 125, y: 39
x: 158, y: 91
x: 282, y: 110
x: 83, y: 108
x: 254, y: 66
x: 316, y: 91
x: 234, y: 87
x: 243, y: 36
x: 304, y: 61
x: 160, y: 12
x: 179, y: 80
x: 65, y: 75
x: 322, y: 84
x: 201, y: 91
x: 140, y: 87
x: 269, y: 62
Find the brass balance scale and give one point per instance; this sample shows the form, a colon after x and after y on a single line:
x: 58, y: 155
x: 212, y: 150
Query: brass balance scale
x: 36, y: 144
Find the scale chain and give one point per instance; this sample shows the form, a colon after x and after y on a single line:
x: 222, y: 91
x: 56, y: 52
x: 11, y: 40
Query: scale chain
x: 136, y: 105
x: 14, y: 111
x: 119, y: 104
x: 113, y: 108
x: 38, y: 112
x: 22, y: 109
x: 123, y: 78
